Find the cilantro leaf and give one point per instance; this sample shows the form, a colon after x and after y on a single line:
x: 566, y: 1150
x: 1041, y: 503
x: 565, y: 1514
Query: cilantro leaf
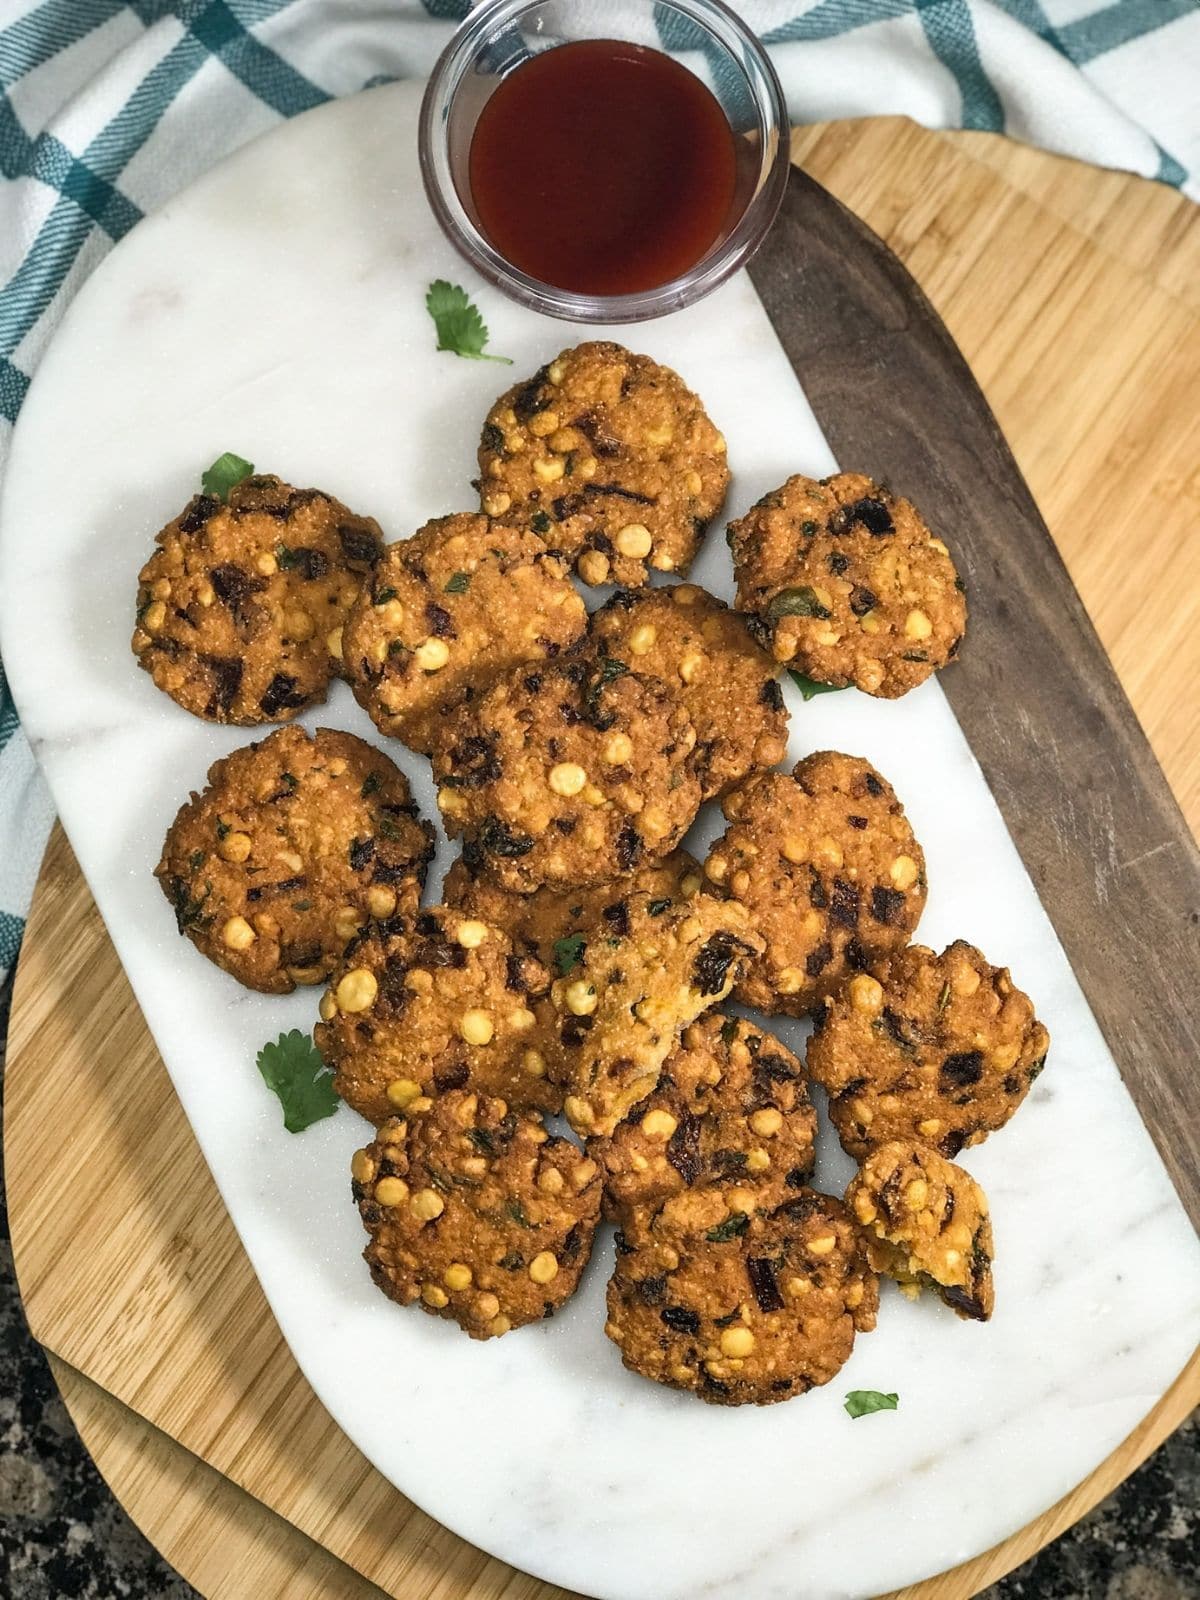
x: 568, y: 953
x: 809, y: 687
x: 225, y: 473
x: 460, y: 328
x: 861, y: 1402
x: 294, y: 1069
x: 800, y: 602
x: 734, y: 1225
x: 459, y: 583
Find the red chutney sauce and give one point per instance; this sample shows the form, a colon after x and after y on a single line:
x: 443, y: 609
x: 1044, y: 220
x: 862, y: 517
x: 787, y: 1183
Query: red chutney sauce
x: 602, y: 168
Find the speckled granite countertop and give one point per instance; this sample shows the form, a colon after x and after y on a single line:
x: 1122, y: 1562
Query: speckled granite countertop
x: 64, y: 1537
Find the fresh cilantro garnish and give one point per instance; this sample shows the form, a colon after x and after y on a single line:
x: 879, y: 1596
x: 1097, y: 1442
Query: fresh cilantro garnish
x: 459, y: 583
x: 734, y: 1225
x: 861, y: 1402
x: 226, y: 473
x: 809, y: 686
x: 460, y: 328
x: 294, y: 1069
x: 568, y: 952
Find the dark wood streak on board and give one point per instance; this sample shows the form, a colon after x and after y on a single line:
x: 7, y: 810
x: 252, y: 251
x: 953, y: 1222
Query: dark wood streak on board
x: 1083, y: 796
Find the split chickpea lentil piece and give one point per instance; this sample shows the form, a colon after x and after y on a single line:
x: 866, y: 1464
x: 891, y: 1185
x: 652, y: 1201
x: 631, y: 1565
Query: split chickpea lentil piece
x: 940, y: 1050
x: 567, y: 776
x: 446, y: 613
x: 704, y: 653
x: 730, y: 1111
x: 740, y: 1308
x: 424, y: 1004
x: 634, y: 982
x: 848, y: 585
x: 240, y: 609
x: 548, y: 922
x: 610, y: 458
x: 294, y: 846
x: 927, y: 1226
x: 825, y: 862
x: 475, y: 1213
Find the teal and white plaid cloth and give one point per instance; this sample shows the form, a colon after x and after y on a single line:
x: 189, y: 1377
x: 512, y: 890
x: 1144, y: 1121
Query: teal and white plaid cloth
x: 106, y: 109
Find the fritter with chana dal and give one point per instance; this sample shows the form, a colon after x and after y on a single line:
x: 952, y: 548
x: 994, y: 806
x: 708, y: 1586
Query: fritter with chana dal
x: 475, y: 1212
x: 422, y: 1005
x: 827, y: 867
x: 703, y: 652
x: 240, y: 609
x: 610, y: 458
x: 446, y: 613
x: 568, y: 775
x: 937, y: 1049
x: 731, y: 1111
x: 295, y: 844
x: 549, y: 922
x: 740, y: 1309
x: 927, y: 1226
x: 848, y: 584
x: 634, y: 982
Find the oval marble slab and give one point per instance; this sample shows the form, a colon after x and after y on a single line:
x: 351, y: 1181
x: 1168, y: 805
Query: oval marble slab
x: 276, y: 309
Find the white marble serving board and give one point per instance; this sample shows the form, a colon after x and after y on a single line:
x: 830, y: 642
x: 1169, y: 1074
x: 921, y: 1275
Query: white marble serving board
x: 276, y: 309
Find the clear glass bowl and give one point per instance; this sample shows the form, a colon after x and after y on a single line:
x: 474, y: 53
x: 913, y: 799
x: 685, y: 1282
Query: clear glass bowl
x: 704, y: 35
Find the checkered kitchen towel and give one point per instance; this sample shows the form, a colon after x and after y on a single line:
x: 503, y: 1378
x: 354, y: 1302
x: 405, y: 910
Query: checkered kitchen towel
x: 106, y: 109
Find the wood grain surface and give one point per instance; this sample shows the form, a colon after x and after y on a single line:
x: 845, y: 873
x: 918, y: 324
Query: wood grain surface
x: 1086, y: 803
x: 1075, y: 295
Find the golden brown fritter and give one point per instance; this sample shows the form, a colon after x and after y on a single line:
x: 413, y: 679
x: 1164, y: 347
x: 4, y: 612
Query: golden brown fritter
x: 731, y: 1111
x: 848, y: 584
x: 446, y: 613
x: 293, y: 846
x: 634, y: 983
x: 826, y: 864
x: 702, y: 651
x: 926, y: 1225
x: 568, y: 775
x: 475, y: 1213
x: 240, y: 608
x: 610, y: 459
x: 545, y: 922
x: 937, y: 1049
x: 423, y: 1005
x: 740, y: 1309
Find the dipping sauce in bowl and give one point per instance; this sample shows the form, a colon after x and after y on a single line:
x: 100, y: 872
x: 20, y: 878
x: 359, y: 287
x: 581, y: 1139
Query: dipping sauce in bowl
x: 591, y: 176
x: 603, y: 167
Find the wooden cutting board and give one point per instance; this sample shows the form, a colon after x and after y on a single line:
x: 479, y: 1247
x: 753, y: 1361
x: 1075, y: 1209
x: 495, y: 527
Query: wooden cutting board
x: 1075, y: 295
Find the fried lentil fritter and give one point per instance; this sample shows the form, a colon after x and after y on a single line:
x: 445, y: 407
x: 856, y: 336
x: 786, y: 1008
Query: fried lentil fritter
x: 937, y: 1049
x: 740, y: 1309
x: 422, y: 1005
x: 570, y: 774
x: 731, y: 1111
x: 848, y: 584
x: 926, y: 1225
x: 446, y: 613
x: 293, y: 846
x: 608, y: 457
x: 636, y: 981
x: 827, y: 866
x: 240, y: 609
x: 547, y: 922
x: 703, y: 652
x: 475, y: 1213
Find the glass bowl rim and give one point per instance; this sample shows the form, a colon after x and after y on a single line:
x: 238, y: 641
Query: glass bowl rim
x: 727, y: 30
